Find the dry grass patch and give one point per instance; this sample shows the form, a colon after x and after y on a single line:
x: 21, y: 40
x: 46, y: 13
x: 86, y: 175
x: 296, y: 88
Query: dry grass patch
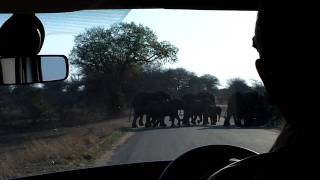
x: 71, y: 148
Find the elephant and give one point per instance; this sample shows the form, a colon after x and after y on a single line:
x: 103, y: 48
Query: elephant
x: 213, y: 112
x: 161, y: 109
x: 208, y: 107
x: 142, y: 105
x: 218, y: 111
x: 173, y: 111
x: 249, y: 107
x: 200, y: 106
x: 204, y: 96
x: 191, y: 107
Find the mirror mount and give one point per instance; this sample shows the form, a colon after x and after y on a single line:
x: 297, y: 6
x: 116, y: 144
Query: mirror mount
x: 21, y: 39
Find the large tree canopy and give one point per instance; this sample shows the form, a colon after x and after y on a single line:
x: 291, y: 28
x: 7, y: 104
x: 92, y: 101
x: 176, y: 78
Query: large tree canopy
x: 108, y: 58
x: 210, y: 82
x: 116, y: 49
x: 238, y: 84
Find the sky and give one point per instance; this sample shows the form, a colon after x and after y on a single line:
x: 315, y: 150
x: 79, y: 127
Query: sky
x: 209, y: 42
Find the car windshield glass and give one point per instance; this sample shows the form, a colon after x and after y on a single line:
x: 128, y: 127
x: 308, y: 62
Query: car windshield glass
x: 144, y: 85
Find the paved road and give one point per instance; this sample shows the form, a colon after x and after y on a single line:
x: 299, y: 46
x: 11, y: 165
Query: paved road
x: 169, y: 143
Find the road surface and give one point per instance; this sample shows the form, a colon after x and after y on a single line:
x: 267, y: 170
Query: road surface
x: 169, y: 143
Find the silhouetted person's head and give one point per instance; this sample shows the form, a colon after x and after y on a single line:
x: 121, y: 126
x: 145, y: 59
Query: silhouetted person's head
x: 284, y: 39
x: 277, y: 67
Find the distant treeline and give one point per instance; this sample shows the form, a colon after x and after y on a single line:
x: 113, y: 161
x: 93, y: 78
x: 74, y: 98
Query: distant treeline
x: 82, y: 101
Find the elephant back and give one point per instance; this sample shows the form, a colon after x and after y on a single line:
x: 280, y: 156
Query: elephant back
x: 207, y: 98
x: 160, y: 96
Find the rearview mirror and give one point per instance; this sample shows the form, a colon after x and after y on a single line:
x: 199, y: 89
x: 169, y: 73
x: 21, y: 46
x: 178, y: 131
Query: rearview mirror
x: 33, y: 69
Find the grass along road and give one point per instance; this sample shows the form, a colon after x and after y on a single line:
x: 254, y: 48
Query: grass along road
x: 60, y: 149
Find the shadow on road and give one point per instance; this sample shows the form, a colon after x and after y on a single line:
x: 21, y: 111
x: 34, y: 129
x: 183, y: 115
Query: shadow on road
x: 128, y: 129
x: 199, y: 127
x: 233, y: 127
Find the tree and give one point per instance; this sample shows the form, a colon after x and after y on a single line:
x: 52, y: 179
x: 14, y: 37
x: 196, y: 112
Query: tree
x: 101, y: 50
x: 237, y: 84
x: 259, y: 87
x: 210, y: 83
x: 29, y: 98
x: 106, y: 57
x: 177, y: 81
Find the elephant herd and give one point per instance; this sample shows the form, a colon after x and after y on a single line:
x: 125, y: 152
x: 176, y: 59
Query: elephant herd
x: 249, y: 109
x: 246, y: 108
x: 156, y: 106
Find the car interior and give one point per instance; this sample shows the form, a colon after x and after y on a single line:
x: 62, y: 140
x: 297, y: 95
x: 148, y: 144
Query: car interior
x: 282, y: 41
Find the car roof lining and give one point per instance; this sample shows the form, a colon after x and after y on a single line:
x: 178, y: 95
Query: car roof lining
x: 54, y: 6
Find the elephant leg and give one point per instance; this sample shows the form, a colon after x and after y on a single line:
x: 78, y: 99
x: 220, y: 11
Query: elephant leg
x: 227, y: 121
x: 141, y: 121
x: 186, y: 119
x: 172, y: 118
x: 162, y: 123
x: 246, y: 122
x: 219, y: 116
x: 159, y: 121
x: 134, y: 121
x: 200, y: 119
x: 155, y: 121
x: 237, y: 120
x: 194, y: 119
x: 205, y: 119
x: 179, y: 120
x: 240, y: 121
x: 213, y: 120
x: 148, y: 121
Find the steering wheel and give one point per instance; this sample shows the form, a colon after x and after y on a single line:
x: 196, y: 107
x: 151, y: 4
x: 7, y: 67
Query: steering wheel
x: 202, y: 162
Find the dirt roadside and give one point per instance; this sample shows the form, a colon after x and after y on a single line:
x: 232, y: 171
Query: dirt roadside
x: 61, y: 149
x: 106, y: 156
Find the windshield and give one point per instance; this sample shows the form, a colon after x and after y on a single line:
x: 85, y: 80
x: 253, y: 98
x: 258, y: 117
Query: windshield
x: 144, y: 85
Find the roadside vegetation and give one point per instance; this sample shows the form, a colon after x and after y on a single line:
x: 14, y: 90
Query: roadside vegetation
x: 58, y: 149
